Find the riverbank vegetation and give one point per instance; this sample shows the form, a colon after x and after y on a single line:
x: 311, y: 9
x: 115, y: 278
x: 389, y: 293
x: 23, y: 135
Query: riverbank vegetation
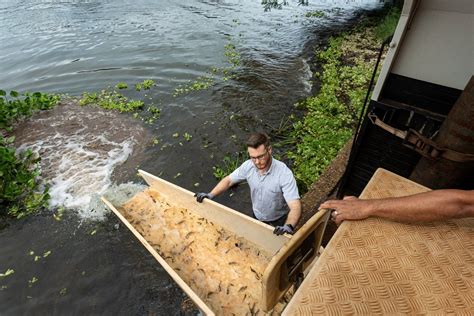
x: 21, y: 192
x: 331, y: 116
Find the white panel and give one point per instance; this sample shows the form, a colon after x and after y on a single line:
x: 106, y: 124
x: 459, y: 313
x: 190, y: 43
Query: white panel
x: 393, y: 48
x: 439, y: 45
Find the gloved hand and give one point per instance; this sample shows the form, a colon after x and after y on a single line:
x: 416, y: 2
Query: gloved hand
x: 287, y: 228
x: 201, y: 196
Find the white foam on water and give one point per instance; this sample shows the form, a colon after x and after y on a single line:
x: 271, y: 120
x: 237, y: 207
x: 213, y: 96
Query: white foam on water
x: 78, y: 167
x: 307, y: 75
x: 80, y: 148
x: 116, y: 194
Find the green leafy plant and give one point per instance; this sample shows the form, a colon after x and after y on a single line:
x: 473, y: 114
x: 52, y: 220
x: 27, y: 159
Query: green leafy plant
x: 20, y: 192
x: 121, y: 85
x: 273, y: 4
x: 229, y: 164
x: 147, y: 84
x: 387, y: 26
x: 315, y: 14
x: 331, y: 115
x: 233, y: 59
x: 111, y: 100
x: 14, y: 106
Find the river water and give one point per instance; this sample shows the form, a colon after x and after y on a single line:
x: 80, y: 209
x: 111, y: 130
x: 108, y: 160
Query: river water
x: 85, y: 262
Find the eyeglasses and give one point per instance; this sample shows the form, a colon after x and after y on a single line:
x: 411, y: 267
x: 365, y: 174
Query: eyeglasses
x: 261, y: 157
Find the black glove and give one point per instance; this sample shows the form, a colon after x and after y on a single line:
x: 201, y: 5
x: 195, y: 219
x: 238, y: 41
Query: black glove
x: 287, y: 228
x: 201, y: 196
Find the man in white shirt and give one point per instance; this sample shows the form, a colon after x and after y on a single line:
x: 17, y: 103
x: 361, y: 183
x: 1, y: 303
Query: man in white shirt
x: 273, y: 190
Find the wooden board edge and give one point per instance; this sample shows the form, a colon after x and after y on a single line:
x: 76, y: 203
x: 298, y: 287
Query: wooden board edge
x: 148, y: 177
x: 183, y: 285
x: 271, y: 273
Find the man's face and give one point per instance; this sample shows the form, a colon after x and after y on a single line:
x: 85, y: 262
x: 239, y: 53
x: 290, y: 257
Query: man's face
x: 260, y: 156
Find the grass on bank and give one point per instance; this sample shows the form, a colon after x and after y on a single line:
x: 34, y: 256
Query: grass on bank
x: 331, y: 115
x: 20, y: 190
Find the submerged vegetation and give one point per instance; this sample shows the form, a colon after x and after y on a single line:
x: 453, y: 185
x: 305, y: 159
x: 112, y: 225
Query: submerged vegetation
x: 229, y: 164
x: 110, y: 99
x: 331, y: 115
x: 20, y: 190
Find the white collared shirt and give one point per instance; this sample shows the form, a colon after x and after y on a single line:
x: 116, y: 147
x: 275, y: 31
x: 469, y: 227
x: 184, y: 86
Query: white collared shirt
x: 269, y: 191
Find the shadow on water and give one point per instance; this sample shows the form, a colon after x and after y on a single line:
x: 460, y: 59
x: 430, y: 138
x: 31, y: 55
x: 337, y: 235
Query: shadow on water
x: 95, y: 266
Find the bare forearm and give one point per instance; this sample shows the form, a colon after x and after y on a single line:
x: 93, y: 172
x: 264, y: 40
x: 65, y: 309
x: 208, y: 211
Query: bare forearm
x: 222, y: 186
x: 424, y: 207
x: 295, y: 212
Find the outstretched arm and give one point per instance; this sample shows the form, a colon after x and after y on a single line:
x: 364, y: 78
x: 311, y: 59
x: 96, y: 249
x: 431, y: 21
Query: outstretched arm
x: 423, y: 207
x: 222, y: 186
x: 295, y: 212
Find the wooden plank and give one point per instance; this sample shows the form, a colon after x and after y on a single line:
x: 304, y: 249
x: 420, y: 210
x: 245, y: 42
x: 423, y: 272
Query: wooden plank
x: 276, y: 280
x: 195, y: 298
x: 242, y: 225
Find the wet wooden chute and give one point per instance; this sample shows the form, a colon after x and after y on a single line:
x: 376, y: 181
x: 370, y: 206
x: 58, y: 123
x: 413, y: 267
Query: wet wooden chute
x: 225, y: 261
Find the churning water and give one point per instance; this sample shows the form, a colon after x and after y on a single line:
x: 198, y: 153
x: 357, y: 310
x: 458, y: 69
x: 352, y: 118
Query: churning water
x: 80, y: 148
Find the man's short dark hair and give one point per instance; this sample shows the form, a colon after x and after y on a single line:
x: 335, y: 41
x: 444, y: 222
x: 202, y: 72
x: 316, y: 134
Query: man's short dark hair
x: 257, y: 139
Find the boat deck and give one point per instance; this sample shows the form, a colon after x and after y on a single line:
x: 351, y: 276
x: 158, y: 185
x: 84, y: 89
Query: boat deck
x: 377, y: 266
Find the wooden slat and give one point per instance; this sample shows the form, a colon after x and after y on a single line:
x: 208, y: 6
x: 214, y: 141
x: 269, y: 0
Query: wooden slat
x: 195, y: 298
x: 242, y: 225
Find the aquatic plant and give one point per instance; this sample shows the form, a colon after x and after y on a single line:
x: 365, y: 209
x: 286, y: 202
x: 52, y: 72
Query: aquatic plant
x: 387, y: 26
x: 15, y: 106
x: 198, y: 84
x: 121, y: 85
x: 110, y: 100
x: 20, y: 190
x: 273, y: 4
x: 315, y: 14
x: 331, y: 115
x: 147, y: 84
x: 233, y: 59
x: 229, y: 164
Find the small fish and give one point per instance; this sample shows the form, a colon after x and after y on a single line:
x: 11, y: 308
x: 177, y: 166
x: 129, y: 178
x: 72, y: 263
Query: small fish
x: 243, y: 288
x: 180, y: 222
x: 252, y: 309
x: 210, y: 293
x: 188, y: 234
x: 186, y: 247
x: 232, y: 263
x: 256, y: 274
